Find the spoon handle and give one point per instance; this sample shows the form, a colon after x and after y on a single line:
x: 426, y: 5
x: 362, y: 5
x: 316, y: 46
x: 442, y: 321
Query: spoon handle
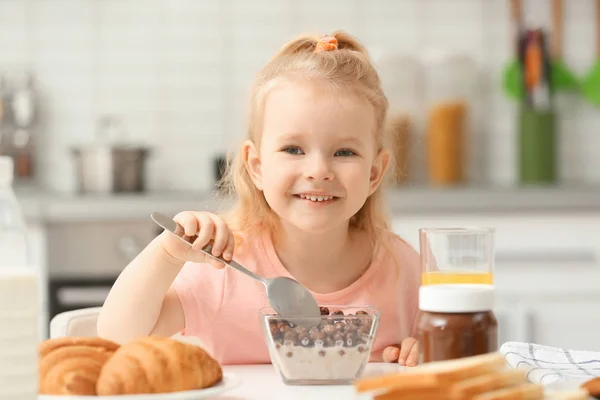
x: 172, y: 226
x: 207, y: 250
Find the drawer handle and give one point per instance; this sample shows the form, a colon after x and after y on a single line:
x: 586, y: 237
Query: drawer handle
x: 548, y: 256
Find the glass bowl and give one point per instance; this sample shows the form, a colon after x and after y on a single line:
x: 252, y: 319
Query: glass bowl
x: 332, y: 349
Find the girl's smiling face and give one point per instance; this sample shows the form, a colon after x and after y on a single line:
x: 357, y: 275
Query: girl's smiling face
x: 318, y: 159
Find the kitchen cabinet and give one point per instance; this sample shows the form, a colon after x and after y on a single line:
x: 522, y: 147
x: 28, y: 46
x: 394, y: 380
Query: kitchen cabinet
x: 546, y: 273
x: 98, y: 249
x: 567, y: 322
x: 506, y: 322
x: 86, y: 257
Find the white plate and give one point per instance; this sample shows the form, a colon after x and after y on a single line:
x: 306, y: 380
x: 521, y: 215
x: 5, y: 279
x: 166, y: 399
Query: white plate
x: 229, y: 382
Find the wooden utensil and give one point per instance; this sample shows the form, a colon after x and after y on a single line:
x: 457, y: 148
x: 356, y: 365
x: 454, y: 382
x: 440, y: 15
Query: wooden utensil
x: 562, y: 77
x: 591, y: 83
x: 511, y: 80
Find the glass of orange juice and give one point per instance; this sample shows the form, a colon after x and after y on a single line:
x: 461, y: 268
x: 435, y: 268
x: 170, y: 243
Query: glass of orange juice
x: 457, y: 255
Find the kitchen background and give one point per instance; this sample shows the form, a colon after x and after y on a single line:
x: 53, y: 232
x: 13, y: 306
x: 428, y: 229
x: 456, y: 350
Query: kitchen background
x: 172, y: 77
x: 176, y: 73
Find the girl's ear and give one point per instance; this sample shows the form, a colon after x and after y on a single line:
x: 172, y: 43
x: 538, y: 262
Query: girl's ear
x: 378, y: 170
x: 252, y: 163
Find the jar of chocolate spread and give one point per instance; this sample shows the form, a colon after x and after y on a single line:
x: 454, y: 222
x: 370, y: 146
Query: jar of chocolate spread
x: 456, y: 321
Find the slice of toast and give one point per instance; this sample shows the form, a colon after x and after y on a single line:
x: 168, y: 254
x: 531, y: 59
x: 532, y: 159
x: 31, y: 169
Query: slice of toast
x: 404, y: 381
x: 484, y: 383
x: 578, y: 394
x: 463, y: 368
x: 435, y: 374
x: 526, y: 391
x: 483, y: 377
x: 438, y: 393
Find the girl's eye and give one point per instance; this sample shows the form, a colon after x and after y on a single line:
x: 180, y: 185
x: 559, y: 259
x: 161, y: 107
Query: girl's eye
x: 293, y: 150
x: 345, y: 153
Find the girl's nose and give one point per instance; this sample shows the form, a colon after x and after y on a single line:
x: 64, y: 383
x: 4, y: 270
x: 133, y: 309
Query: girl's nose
x: 318, y: 169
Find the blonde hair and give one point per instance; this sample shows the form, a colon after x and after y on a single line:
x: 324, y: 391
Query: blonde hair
x: 346, y: 68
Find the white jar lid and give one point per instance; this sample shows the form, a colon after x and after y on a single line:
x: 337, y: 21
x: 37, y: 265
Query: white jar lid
x: 456, y: 298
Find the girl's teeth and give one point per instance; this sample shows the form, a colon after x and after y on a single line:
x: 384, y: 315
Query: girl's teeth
x: 316, y: 198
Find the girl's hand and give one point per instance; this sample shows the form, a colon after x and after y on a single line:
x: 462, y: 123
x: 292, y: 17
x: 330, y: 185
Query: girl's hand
x: 407, y: 353
x: 207, y: 227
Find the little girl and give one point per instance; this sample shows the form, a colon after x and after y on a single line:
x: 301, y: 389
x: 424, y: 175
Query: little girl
x: 308, y: 182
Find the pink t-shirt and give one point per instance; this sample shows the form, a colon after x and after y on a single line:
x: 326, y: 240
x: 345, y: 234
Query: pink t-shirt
x: 221, y: 307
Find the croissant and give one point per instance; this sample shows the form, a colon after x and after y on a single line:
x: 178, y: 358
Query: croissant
x: 157, y: 365
x: 49, y: 345
x: 71, y: 369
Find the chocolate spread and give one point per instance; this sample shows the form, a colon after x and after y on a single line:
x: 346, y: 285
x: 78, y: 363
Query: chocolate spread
x: 446, y: 336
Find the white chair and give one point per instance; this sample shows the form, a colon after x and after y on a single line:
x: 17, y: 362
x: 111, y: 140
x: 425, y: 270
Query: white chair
x: 82, y: 322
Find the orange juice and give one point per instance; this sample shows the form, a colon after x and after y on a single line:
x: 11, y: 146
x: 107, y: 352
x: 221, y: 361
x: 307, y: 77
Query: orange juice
x: 439, y: 277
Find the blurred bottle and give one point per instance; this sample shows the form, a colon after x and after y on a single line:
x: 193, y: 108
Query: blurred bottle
x: 402, y: 78
x: 4, y: 100
x: 445, y: 142
x: 13, y: 236
x: 24, y: 111
x: 399, y: 126
x: 451, y: 97
x: 3, y: 92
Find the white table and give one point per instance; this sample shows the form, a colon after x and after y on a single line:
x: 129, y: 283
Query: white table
x: 262, y: 382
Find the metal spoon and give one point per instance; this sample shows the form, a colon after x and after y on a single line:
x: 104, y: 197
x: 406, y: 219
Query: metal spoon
x: 288, y: 297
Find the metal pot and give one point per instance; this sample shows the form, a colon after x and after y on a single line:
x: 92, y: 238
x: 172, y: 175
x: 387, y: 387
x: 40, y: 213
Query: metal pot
x: 110, y: 169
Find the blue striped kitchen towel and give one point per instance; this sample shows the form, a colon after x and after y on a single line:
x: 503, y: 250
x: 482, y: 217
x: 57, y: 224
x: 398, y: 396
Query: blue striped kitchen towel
x: 547, y: 365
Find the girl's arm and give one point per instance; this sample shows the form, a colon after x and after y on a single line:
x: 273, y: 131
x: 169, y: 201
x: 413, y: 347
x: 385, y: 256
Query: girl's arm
x: 141, y: 302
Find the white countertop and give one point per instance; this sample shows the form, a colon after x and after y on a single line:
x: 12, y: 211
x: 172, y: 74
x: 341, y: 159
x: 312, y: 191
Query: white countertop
x: 262, y: 382
x: 39, y: 204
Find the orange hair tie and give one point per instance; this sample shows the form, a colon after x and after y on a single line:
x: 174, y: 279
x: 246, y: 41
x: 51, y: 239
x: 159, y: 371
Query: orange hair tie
x: 326, y: 43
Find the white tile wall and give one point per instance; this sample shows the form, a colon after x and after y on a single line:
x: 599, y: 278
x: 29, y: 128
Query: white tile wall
x: 177, y: 71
